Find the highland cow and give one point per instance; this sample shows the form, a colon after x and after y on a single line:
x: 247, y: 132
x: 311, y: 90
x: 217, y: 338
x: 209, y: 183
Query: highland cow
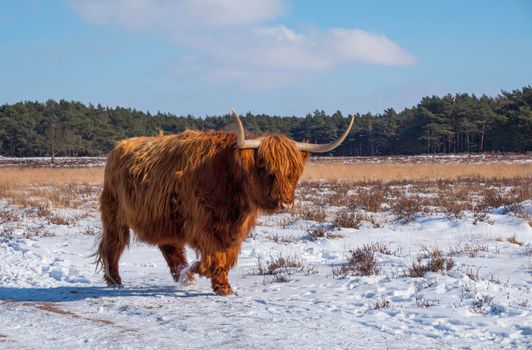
x: 201, y: 189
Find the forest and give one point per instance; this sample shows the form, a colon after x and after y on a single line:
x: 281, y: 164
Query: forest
x: 449, y: 124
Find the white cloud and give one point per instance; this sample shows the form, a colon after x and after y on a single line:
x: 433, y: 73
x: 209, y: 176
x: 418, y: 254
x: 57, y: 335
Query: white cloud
x: 358, y: 45
x: 281, y: 33
x: 228, y: 41
x: 177, y: 15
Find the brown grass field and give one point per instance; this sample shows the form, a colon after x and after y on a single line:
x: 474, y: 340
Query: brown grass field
x: 422, y: 171
x: 12, y: 177
x: 403, y: 189
x: 354, y: 172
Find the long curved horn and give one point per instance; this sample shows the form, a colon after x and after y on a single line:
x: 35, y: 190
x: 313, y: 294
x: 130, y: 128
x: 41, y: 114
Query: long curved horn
x: 241, y: 138
x: 321, y: 148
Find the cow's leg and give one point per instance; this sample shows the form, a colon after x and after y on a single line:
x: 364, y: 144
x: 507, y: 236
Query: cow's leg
x: 177, y: 262
x: 222, y: 264
x: 220, y: 281
x: 216, y: 266
x: 213, y: 266
x: 114, y: 240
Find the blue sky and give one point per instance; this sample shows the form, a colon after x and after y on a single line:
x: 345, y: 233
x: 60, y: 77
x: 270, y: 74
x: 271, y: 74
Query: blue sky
x: 273, y: 56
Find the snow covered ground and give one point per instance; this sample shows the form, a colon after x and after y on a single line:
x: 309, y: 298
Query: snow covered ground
x: 51, y: 296
x: 472, y: 158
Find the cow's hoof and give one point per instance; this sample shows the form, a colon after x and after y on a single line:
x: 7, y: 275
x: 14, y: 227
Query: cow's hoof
x: 224, y: 291
x: 113, y: 282
x: 186, y: 277
x: 115, y: 285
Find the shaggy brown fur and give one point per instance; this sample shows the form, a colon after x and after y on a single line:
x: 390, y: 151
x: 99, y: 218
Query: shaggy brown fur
x: 197, y: 189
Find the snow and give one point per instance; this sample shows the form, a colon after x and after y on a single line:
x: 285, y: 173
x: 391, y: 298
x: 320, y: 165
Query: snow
x: 473, y: 158
x: 469, y: 158
x: 51, y: 296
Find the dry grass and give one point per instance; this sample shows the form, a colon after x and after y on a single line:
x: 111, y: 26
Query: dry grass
x: 405, y: 207
x: 383, y: 303
x: 424, y: 171
x: 43, y: 193
x: 408, y: 199
x: 313, y: 214
x: 10, y: 177
x: 331, y: 169
x: 320, y: 232
x: 514, y: 240
x: 45, y: 188
x: 430, y: 260
x: 277, y: 263
x: 362, y: 261
x: 471, y: 248
x: 404, y: 189
x: 281, y: 239
x: 280, y: 267
x: 348, y: 219
x: 371, y: 198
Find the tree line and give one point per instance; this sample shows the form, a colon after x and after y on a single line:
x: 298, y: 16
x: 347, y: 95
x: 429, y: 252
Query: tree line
x: 452, y: 123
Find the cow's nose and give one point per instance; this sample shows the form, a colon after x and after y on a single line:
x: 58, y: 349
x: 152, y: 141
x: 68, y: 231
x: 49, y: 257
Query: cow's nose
x: 287, y: 205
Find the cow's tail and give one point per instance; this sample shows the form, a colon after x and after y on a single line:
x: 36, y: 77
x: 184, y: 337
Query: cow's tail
x: 101, y: 260
x: 99, y: 256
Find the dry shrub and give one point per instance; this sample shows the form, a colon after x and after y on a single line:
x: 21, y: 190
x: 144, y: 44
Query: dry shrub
x: 284, y: 222
x: 8, y: 216
x: 29, y: 233
x: 405, y: 207
x: 59, y: 220
x: 471, y: 249
x: 281, y: 268
x: 320, y: 232
x: 405, y: 198
x: 371, y: 199
x: 481, y: 215
x: 281, y: 239
x: 278, y: 264
x: 473, y: 274
x: 527, y: 250
x: 480, y: 301
x: 23, y: 200
x: 374, y: 221
x: 383, y: 249
x: 423, y: 303
x: 430, y: 260
x: 383, y: 303
x: 494, y: 199
x: 521, y: 213
x: 450, y: 204
x: 313, y: 214
x: 348, y: 220
x: 317, y: 232
x: 90, y: 231
x: 339, y: 196
x: 44, y: 213
x: 361, y: 261
x: 514, y: 240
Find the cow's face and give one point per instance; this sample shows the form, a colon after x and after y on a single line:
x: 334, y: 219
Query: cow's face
x: 273, y: 165
x: 278, y: 167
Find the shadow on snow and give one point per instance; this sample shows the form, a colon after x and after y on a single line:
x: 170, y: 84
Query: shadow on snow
x: 65, y: 294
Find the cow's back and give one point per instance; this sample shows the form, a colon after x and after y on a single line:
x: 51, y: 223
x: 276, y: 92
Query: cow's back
x: 153, y: 178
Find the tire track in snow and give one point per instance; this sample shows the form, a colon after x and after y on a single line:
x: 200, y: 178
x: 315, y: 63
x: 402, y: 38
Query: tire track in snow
x: 54, y: 309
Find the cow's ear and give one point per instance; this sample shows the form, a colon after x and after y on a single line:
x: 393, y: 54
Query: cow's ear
x: 305, y: 155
